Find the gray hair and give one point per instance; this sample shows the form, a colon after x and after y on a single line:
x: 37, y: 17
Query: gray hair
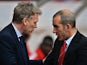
x: 24, y: 10
x: 66, y: 17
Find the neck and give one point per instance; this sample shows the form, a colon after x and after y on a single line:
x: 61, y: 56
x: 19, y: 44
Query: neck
x: 73, y: 31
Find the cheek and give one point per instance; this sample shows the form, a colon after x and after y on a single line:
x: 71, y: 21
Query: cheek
x: 32, y: 24
x: 28, y: 26
x: 65, y: 30
x: 59, y: 30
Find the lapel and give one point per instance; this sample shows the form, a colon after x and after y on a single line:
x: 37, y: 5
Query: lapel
x: 73, y: 45
x: 19, y: 47
x: 57, y: 46
x: 56, y: 50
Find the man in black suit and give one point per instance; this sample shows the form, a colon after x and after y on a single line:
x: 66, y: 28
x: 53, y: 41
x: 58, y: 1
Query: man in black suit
x: 12, y: 49
x: 64, y: 25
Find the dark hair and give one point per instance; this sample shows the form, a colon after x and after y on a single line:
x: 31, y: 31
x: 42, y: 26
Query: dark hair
x: 47, y: 40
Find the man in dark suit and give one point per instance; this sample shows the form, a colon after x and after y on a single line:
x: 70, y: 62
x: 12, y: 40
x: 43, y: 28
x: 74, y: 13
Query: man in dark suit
x: 75, y: 52
x: 12, y: 49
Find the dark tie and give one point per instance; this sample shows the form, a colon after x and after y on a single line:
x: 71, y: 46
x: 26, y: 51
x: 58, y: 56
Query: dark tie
x: 62, y: 54
x: 24, y: 50
x: 22, y: 40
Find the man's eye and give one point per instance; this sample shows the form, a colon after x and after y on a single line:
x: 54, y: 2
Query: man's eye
x: 34, y: 23
x: 55, y: 26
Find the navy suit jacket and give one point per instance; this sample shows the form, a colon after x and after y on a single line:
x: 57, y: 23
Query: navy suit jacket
x: 76, y: 53
x: 11, y: 50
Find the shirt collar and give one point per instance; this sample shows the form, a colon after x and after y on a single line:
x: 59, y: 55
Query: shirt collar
x: 68, y: 41
x: 17, y: 31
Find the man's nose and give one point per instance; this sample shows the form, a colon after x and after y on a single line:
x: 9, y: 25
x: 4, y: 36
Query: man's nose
x: 54, y: 30
x: 35, y: 26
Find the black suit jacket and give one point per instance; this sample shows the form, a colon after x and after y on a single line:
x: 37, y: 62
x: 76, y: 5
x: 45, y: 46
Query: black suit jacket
x: 76, y: 53
x: 11, y: 50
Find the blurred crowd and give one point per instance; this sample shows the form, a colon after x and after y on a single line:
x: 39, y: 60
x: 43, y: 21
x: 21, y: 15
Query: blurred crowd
x: 43, y: 49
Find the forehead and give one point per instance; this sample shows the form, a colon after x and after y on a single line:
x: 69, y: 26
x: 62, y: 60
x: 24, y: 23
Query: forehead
x: 35, y: 17
x: 57, y: 19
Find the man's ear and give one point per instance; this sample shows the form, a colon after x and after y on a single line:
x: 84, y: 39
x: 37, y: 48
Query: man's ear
x: 68, y: 26
x: 24, y: 21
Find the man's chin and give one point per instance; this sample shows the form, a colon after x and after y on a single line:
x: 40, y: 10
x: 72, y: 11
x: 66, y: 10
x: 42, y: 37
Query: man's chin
x: 60, y: 39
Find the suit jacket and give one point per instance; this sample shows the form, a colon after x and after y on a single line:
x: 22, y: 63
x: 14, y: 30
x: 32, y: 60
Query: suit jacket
x: 76, y: 53
x: 11, y: 50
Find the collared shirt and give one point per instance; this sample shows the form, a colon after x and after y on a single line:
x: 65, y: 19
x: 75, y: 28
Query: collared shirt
x: 17, y: 31
x: 68, y: 41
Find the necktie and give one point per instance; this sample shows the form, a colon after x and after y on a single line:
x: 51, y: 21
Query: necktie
x: 62, y: 54
x: 24, y: 50
x: 22, y: 40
